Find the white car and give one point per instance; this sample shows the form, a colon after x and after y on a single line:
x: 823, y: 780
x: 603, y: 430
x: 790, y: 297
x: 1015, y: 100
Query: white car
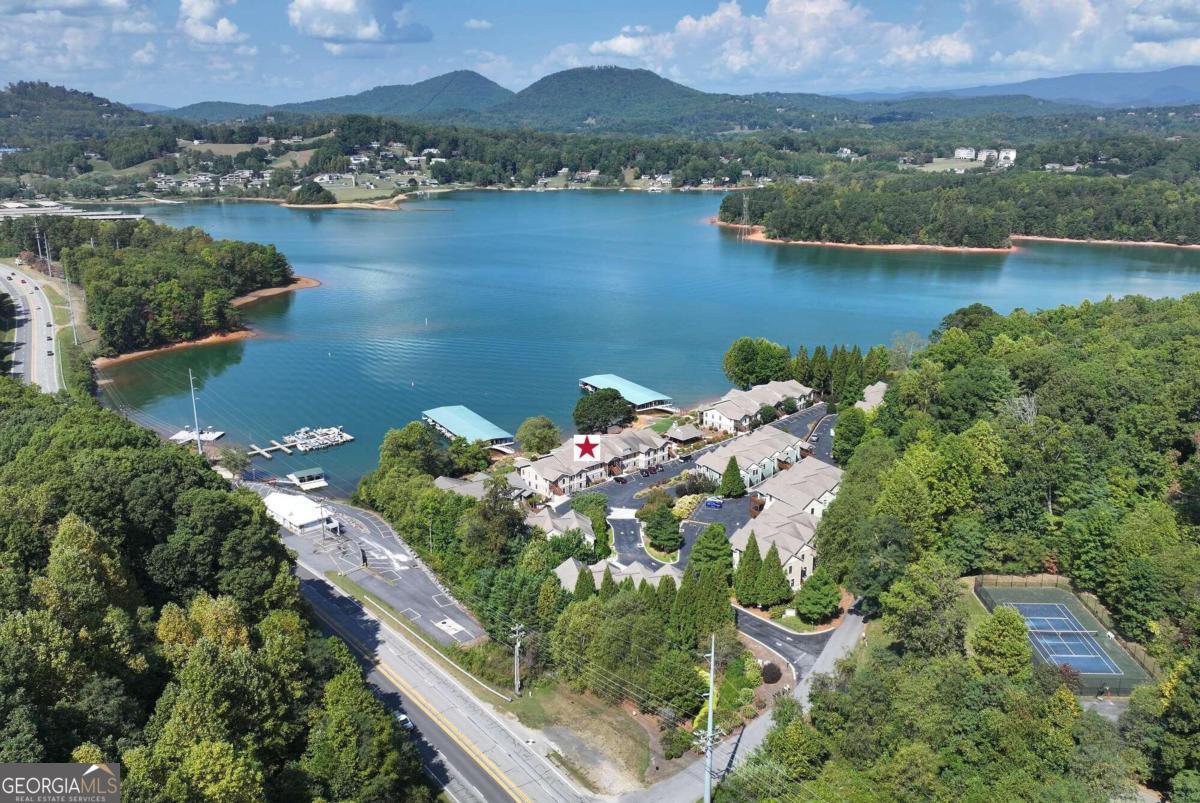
x: 405, y: 722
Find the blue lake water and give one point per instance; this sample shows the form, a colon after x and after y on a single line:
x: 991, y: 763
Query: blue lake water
x: 501, y: 301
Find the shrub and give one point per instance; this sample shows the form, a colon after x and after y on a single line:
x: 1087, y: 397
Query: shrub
x: 771, y: 673
x: 676, y: 742
x: 745, y: 697
x: 748, y: 712
x: 687, y: 505
x: 691, y: 484
x: 753, y: 673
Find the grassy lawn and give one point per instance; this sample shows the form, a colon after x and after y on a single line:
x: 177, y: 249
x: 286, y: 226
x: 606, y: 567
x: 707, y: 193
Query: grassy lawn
x: 664, y: 424
x: 293, y: 158
x: 217, y: 148
x: 794, y: 623
x: 608, y: 730
x: 665, y: 557
x: 976, y: 613
x: 385, y: 190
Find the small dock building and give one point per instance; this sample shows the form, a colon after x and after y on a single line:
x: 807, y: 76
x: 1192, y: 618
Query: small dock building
x: 642, y: 398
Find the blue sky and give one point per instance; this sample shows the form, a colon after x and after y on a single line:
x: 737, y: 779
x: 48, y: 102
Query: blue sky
x: 175, y: 52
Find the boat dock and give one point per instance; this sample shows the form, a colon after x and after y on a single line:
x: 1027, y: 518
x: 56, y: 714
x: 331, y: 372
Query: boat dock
x: 457, y: 421
x: 188, y: 435
x: 303, y: 440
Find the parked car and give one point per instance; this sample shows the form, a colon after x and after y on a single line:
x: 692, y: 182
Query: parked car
x: 49, y: 353
x: 645, y: 473
x: 714, y: 502
x: 815, y: 437
x: 405, y: 722
x: 655, y: 469
x: 685, y: 458
x: 619, y: 480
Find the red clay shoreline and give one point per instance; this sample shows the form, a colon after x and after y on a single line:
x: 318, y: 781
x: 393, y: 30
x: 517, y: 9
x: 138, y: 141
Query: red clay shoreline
x: 758, y: 235
x: 299, y: 283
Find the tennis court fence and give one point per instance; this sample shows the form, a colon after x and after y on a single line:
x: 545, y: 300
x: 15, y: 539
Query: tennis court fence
x: 1089, y: 601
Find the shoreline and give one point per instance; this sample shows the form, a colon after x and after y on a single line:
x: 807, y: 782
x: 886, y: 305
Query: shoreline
x: 758, y: 235
x: 1136, y: 243
x: 299, y: 283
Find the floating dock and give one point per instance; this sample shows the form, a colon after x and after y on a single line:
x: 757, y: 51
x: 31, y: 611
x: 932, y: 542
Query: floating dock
x: 303, y: 440
x: 188, y: 435
x: 641, y: 397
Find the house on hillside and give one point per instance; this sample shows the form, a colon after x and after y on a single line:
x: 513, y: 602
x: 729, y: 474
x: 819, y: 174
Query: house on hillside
x: 965, y: 153
x: 872, y: 396
x: 737, y: 409
x: 791, y: 505
x: 555, y: 524
x: 569, y: 570
x: 761, y: 454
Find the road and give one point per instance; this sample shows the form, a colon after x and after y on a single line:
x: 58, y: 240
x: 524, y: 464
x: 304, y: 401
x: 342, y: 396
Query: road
x: 35, y: 322
x: 798, y: 649
x: 393, y: 572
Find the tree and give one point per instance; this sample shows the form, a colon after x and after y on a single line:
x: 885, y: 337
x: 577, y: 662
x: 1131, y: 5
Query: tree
x: 751, y: 361
x: 585, y: 584
x: 1000, y: 645
x: 712, y: 548
x: 233, y: 460
x: 468, y: 457
x: 538, y: 435
x: 798, y: 748
x: 818, y: 599
x: 771, y: 587
x: 661, y: 527
x: 922, y: 611
x: 675, y: 681
x: 732, y: 486
x: 800, y: 366
x: 767, y: 414
x: 745, y: 581
x: 596, y: 412
x: 310, y: 193
x: 851, y: 426
x: 608, y: 586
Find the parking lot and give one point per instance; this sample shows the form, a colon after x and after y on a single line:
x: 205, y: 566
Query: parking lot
x: 623, y: 501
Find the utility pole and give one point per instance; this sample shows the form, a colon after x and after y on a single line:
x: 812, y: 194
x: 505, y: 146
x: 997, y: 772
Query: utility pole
x: 708, y: 736
x: 195, y: 417
x: 518, y: 632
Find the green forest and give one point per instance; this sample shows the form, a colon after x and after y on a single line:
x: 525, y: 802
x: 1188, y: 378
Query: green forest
x: 1063, y: 441
x: 150, y: 285
x: 973, y: 211
x: 149, y: 615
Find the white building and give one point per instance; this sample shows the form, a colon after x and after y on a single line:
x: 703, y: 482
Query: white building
x: 763, y: 453
x: 872, y: 397
x: 555, y: 524
x: 792, y: 505
x: 569, y: 570
x: 558, y: 474
x: 1007, y: 156
x: 736, y: 410
x: 985, y: 154
x: 299, y: 514
x: 964, y: 153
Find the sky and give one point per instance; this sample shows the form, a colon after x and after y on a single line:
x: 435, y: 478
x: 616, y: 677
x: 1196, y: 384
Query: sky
x: 175, y: 52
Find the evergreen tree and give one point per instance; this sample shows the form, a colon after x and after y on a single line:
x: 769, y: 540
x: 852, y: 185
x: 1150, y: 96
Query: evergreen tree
x: 626, y: 585
x: 608, y: 586
x: 771, y: 587
x: 819, y: 369
x: 875, y: 365
x: 732, y: 485
x: 817, y: 600
x: 664, y: 597
x: 647, y: 596
x: 685, y: 610
x: 585, y: 584
x: 801, y: 371
x: 712, y: 548
x: 712, y: 601
x: 745, y: 581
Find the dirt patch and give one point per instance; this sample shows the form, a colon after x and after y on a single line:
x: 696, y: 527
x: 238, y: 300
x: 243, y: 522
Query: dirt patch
x: 299, y: 283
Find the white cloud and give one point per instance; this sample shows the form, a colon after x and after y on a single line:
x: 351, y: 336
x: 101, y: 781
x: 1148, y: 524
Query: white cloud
x: 341, y: 25
x: 202, y: 23
x: 477, y: 25
x: 145, y: 55
x: 834, y: 45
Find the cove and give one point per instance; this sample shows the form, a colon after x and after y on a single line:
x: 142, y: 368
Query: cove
x: 502, y: 300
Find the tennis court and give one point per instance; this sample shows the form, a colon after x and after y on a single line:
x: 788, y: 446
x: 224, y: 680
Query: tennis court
x: 1064, y: 632
x: 1059, y: 638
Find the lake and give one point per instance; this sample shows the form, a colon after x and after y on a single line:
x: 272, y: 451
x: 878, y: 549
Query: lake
x: 502, y: 301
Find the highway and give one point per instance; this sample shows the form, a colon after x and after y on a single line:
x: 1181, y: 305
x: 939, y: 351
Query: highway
x: 35, y: 322
x: 467, y: 748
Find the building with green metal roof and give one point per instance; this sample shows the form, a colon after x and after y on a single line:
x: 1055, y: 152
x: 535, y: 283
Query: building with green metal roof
x: 456, y: 421
x: 641, y: 397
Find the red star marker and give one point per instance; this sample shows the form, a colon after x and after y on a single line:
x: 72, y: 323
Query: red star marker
x: 587, y: 448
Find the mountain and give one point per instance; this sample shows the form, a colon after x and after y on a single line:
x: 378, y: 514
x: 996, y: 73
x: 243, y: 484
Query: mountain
x: 461, y: 89
x: 217, y: 111
x: 34, y: 112
x: 149, y: 107
x: 1173, y: 87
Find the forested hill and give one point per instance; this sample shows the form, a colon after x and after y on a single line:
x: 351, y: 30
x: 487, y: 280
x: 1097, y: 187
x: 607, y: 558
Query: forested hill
x: 33, y: 113
x: 150, y: 285
x: 973, y: 211
x: 1063, y: 441
x: 461, y: 89
x: 216, y: 111
x: 149, y: 616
